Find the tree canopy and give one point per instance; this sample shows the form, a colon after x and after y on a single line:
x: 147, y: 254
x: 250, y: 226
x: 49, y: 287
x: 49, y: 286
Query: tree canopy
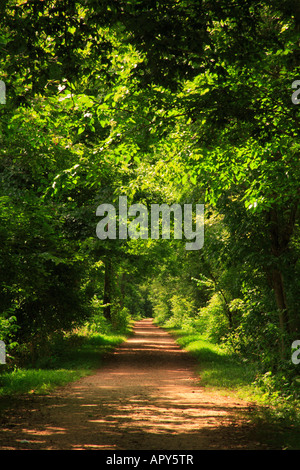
x: 163, y: 102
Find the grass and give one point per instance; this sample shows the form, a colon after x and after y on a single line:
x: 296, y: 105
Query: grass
x: 277, y: 420
x: 69, y: 360
x: 217, y: 368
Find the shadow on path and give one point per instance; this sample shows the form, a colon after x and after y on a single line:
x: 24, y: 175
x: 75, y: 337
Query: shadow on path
x: 146, y: 397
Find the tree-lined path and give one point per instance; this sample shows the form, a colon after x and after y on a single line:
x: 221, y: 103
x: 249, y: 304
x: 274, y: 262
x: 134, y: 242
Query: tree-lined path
x: 172, y: 105
x: 147, y: 396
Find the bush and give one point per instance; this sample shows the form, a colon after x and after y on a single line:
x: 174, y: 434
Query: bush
x: 257, y: 336
x: 121, y: 318
x: 182, y: 313
x: 212, y: 321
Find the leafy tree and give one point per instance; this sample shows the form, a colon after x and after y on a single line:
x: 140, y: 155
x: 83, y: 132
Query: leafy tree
x: 164, y: 102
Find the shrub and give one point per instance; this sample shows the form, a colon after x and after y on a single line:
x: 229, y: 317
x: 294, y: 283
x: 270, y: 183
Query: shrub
x: 212, y: 321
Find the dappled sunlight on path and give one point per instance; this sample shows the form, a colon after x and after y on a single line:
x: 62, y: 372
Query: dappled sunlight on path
x: 147, y: 396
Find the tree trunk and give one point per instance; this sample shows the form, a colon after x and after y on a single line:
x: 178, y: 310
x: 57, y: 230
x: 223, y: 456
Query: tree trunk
x: 280, y: 234
x: 107, y: 289
x: 279, y: 292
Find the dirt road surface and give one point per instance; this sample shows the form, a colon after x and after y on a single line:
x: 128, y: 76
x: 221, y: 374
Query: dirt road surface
x: 147, y: 396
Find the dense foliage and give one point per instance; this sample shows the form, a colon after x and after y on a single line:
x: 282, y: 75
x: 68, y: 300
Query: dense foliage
x: 164, y: 102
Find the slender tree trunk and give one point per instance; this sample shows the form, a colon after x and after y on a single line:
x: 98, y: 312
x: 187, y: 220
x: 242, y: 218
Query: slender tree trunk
x: 279, y: 292
x: 280, y: 234
x: 122, y: 289
x: 107, y: 289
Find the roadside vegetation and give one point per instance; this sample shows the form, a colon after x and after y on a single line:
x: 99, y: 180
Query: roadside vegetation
x: 68, y: 358
x: 273, y: 400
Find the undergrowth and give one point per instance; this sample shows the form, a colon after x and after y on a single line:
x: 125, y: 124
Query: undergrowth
x: 69, y: 358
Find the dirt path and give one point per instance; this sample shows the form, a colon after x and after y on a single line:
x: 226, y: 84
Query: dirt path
x: 146, y: 397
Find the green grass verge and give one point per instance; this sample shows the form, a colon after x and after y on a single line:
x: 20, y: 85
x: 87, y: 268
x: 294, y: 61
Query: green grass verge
x: 217, y: 368
x: 69, y: 360
x: 277, y: 419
